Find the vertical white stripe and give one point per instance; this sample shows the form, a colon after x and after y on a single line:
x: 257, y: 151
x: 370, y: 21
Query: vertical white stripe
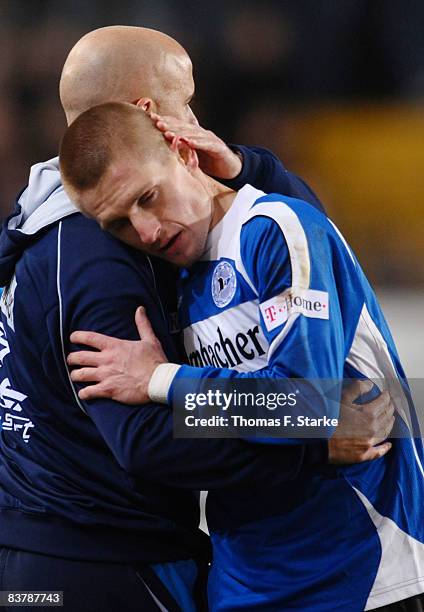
x: 369, y: 354
x: 343, y: 239
x: 297, y: 245
x: 295, y: 238
x: 400, y: 572
x: 159, y: 604
x: 59, y: 235
x: 203, y: 523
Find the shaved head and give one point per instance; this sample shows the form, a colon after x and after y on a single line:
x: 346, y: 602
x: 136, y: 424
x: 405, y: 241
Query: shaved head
x: 126, y: 64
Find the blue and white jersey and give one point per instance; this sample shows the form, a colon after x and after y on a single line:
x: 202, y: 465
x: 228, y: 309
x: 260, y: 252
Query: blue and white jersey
x: 278, y: 293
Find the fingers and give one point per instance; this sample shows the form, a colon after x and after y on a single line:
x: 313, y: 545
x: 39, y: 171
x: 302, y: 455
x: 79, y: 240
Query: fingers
x: 175, y: 142
x: 376, y: 452
x: 384, y: 419
x: 355, y: 390
x: 380, y: 405
x: 93, y: 339
x: 171, y: 128
x: 169, y: 135
x: 195, y: 136
x: 143, y: 325
x: 192, y: 141
x: 166, y: 122
x: 388, y: 426
x: 370, y: 436
x: 84, y: 358
x: 347, y: 451
x: 87, y: 375
x: 382, y: 432
x: 379, y: 418
x: 94, y: 392
x: 375, y: 428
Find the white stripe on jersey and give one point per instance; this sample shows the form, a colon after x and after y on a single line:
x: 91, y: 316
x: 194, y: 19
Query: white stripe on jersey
x: 343, y: 239
x: 295, y: 238
x: 370, y: 355
x: 401, y: 557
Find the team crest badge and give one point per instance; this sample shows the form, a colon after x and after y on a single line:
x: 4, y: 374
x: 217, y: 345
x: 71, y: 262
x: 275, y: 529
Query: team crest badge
x: 224, y: 284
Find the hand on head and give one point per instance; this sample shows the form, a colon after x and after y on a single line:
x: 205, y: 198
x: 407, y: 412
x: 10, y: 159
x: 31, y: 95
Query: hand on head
x: 215, y: 157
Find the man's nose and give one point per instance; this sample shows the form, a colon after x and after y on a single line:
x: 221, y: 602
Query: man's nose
x: 147, y: 227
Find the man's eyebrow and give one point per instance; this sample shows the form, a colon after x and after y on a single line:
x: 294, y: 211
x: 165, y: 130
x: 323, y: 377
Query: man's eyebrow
x: 106, y: 223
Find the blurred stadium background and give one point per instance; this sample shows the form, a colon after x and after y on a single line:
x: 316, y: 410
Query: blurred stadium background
x: 334, y: 87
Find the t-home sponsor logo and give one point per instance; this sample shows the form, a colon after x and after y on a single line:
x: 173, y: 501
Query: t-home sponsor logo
x: 308, y: 302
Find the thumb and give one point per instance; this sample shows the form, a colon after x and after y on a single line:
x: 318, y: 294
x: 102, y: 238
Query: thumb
x: 175, y: 143
x: 356, y: 389
x: 144, y: 328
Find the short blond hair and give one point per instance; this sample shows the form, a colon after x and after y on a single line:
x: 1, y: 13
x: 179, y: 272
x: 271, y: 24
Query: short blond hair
x: 98, y: 135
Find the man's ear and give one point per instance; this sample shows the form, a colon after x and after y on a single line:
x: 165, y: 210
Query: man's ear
x: 147, y: 104
x: 187, y: 155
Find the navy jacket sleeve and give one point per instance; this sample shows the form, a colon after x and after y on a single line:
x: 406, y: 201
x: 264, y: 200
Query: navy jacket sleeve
x: 263, y: 170
x: 101, y: 283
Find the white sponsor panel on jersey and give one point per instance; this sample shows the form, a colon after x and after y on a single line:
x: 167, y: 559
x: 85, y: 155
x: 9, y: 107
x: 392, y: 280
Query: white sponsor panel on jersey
x: 231, y: 339
x: 308, y: 302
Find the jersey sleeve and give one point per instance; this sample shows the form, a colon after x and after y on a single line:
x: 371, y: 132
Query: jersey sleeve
x: 299, y: 311
x: 263, y: 170
x: 100, y: 288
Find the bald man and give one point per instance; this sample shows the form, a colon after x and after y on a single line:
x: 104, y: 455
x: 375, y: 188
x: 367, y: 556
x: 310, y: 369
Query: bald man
x: 119, y: 63
x: 96, y: 497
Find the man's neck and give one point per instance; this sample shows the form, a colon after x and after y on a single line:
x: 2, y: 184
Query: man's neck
x: 222, y: 199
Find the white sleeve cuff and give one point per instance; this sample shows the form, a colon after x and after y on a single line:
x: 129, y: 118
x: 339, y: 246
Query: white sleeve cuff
x: 161, y: 382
